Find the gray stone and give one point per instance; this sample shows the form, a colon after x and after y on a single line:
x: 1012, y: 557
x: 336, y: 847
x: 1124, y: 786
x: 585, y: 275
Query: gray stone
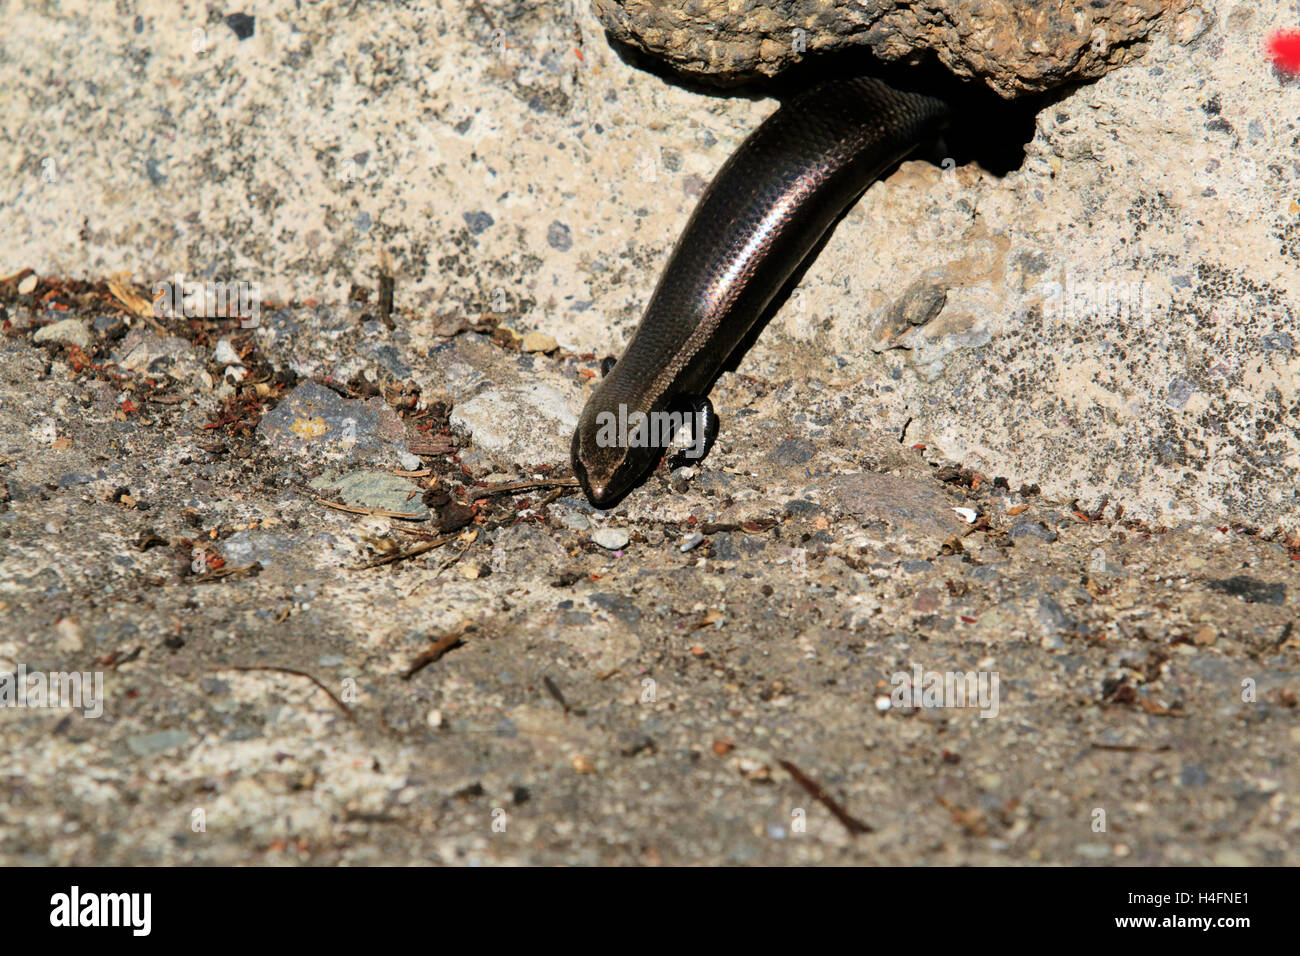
x: 21, y: 319
x: 144, y: 351
x: 908, y: 506
x: 375, y: 489
x: 1053, y: 619
x: 575, y: 522
x: 225, y: 354
x: 724, y: 547
x: 530, y: 424
x: 313, y: 424
x: 108, y: 324
x: 792, y: 452
x: 612, y: 539
x: 1032, y: 529
x: 66, y: 332
x: 478, y: 222
x: 918, y: 304
x: 155, y: 744
x: 267, y: 548
x: 558, y: 237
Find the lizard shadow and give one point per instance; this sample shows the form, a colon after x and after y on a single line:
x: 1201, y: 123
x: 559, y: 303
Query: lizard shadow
x: 984, y: 130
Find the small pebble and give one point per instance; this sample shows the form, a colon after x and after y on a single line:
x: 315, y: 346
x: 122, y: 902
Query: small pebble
x: 67, y: 332
x: 1035, y: 529
x: 693, y: 541
x: 68, y: 635
x: 538, y: 342
x: 225, y: 353
x: 108, y: 324
x: 612, y: 539
x: 156, y: 744
x: 478, y: 221
x: 559, y: 237
x: 28, y: 285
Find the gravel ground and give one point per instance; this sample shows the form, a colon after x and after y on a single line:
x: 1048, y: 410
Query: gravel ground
x: 1028, y: 429
x: 706, y: 685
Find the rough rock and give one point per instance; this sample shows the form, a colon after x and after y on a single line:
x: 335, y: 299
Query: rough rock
x: 267, y: 548
x: 911, y: 507
x: 314, y: 425
x: 532, y: 424
x: 66, y: 332
x: 611, y: 539
x: 918, y: 304
x: 153, y: 745
x: 538, y: 342
x: 1013, y: 45
x: 373, y: 489
x: 145, y: 351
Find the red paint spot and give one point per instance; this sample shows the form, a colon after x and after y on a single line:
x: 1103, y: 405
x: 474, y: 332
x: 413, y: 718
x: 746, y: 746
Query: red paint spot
x: 1284, y: 50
